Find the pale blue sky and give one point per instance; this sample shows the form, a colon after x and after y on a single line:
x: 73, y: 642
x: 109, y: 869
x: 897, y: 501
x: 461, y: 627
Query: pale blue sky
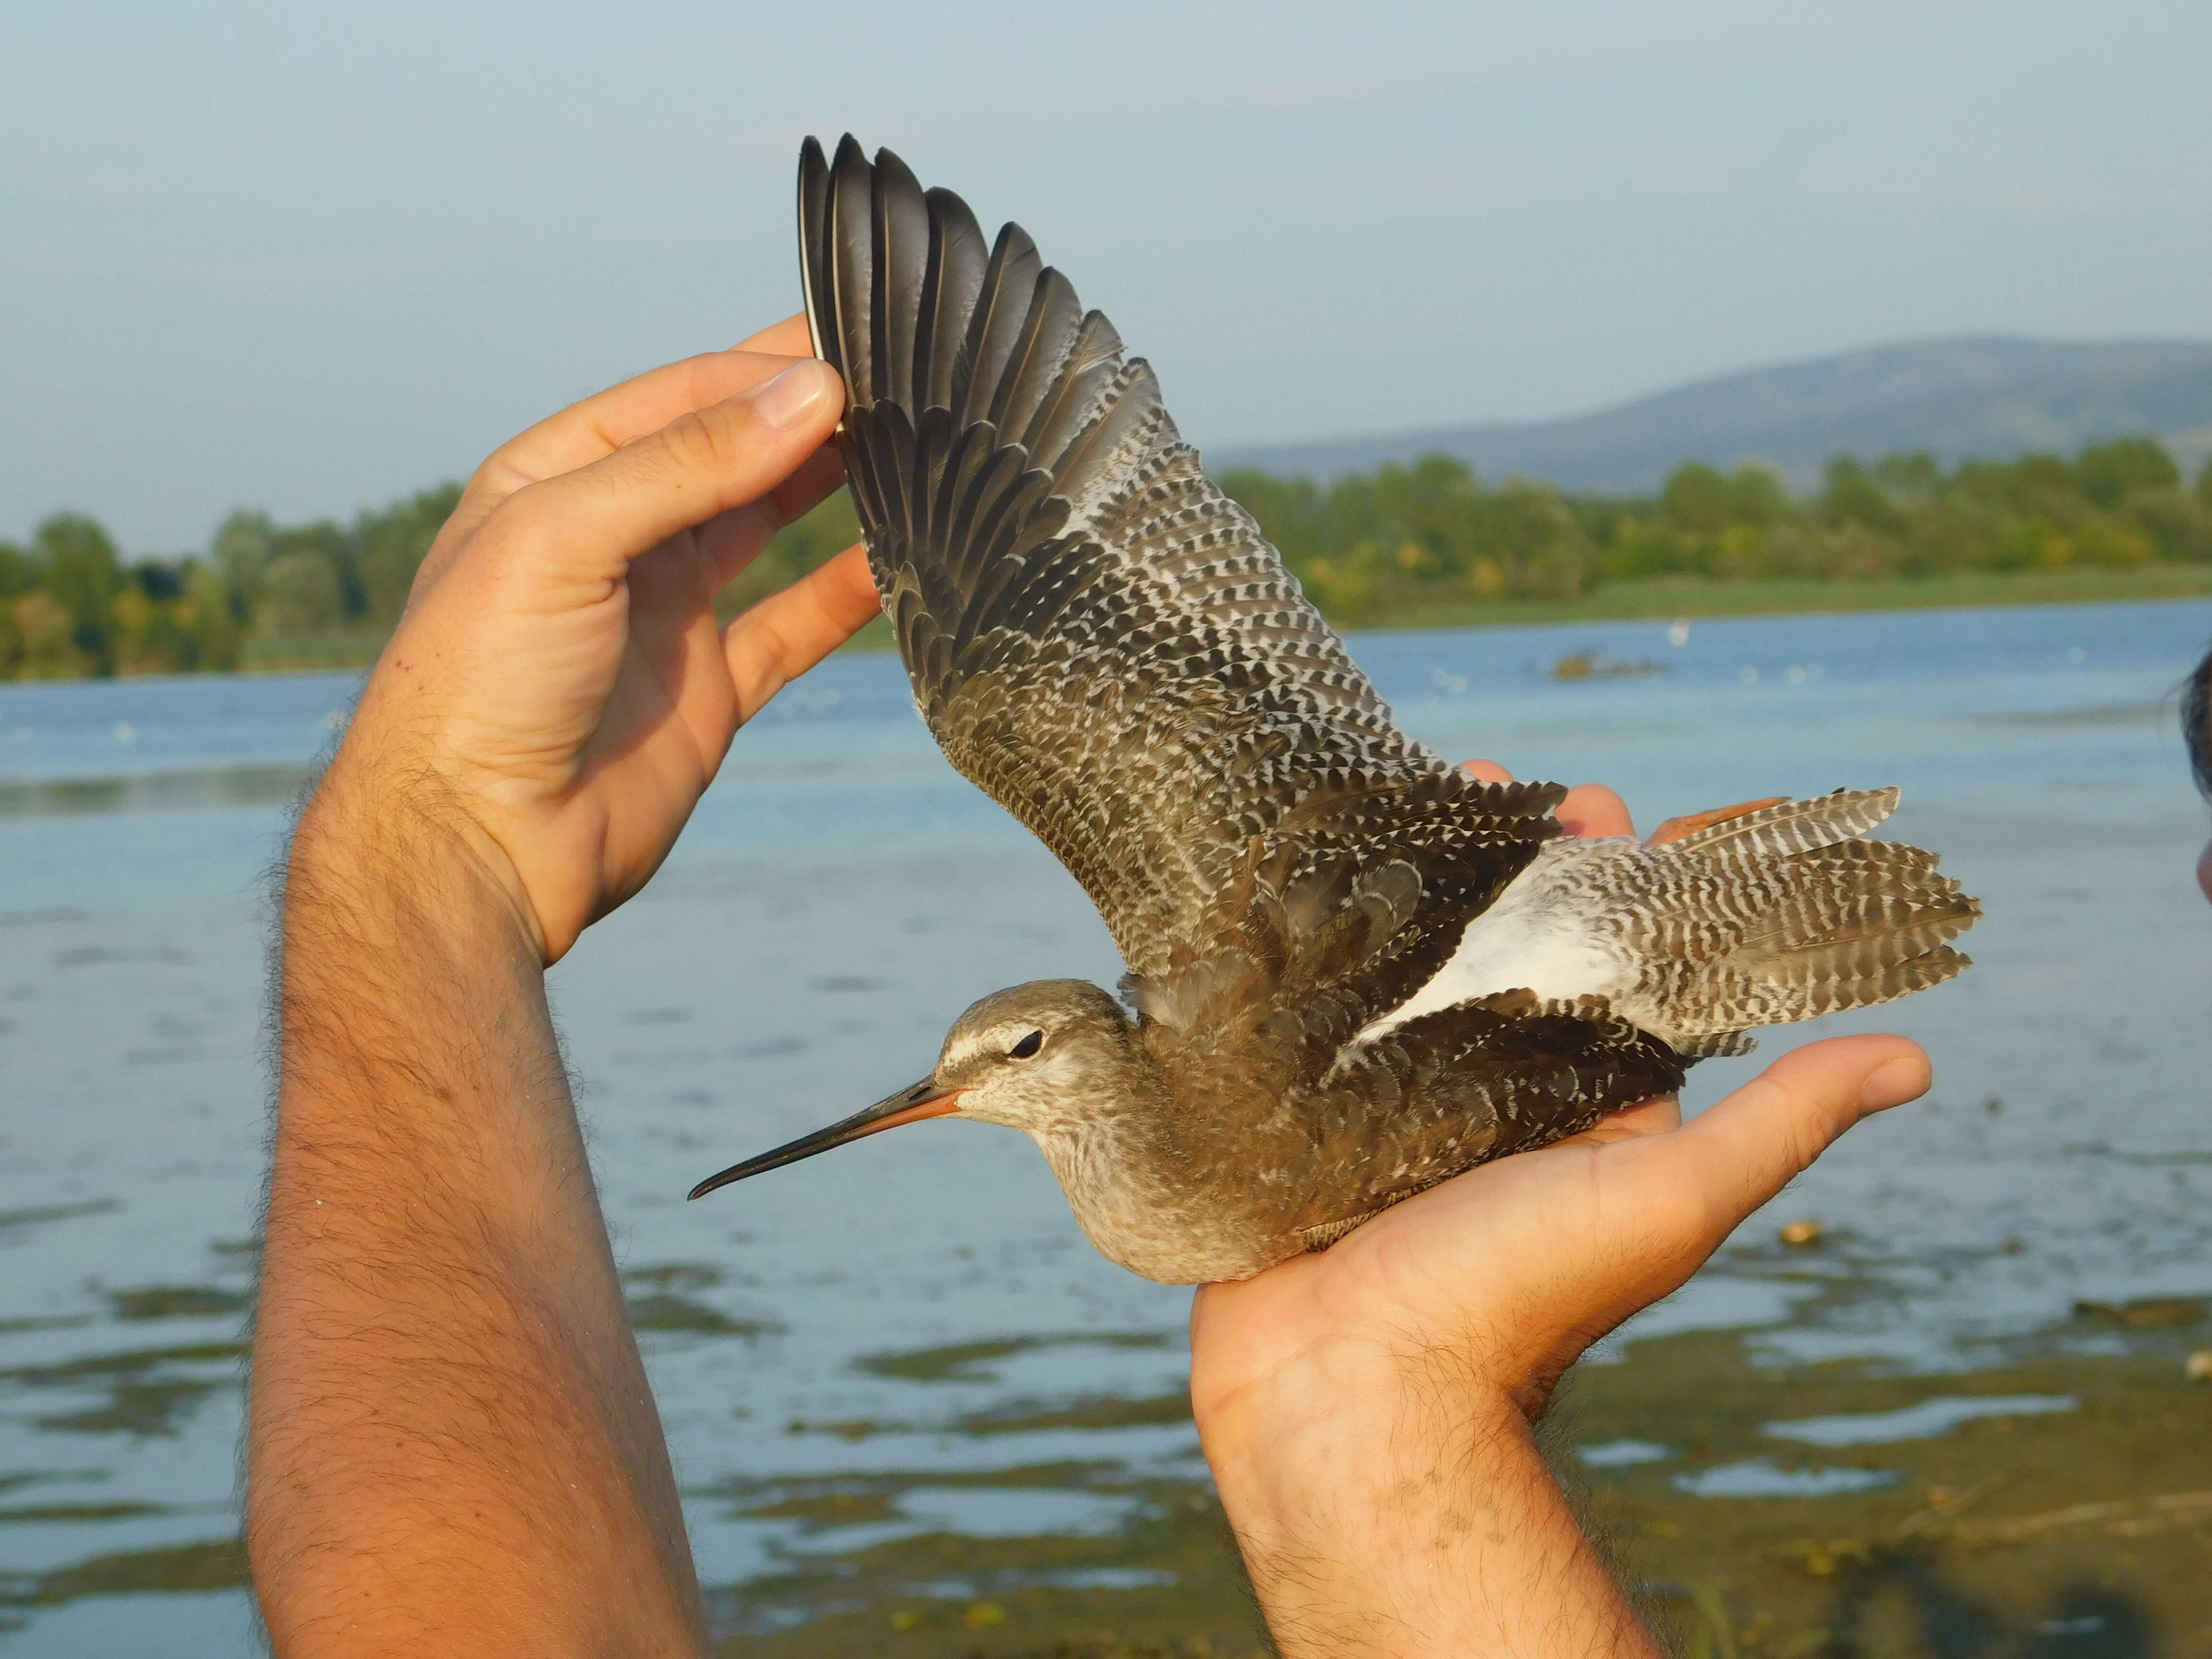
x: 311, y: 256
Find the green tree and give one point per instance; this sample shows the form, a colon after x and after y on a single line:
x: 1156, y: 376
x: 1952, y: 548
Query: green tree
x: 301, y: 593
x: 208, y: 616
x: 2109, y: 473
x: 298, y: 548
x: 74, y: 562
x: 44, y: 647
x: 1850, y: 493
x: 1696, y: 498
x: 241, y: 552
x: 14, y: 581
x: 389, y: 546
x: 1915, y: 478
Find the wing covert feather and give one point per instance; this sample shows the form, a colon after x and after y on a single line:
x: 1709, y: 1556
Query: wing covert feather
x: 1096, y: 635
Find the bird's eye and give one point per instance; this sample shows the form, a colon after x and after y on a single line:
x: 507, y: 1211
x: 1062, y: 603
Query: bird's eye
x: 1027, y: 1047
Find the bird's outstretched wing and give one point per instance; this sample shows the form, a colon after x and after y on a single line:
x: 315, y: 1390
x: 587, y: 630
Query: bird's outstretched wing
x: 1105, y: 642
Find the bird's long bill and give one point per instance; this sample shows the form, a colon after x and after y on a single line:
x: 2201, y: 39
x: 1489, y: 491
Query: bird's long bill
x: 909, y: 1105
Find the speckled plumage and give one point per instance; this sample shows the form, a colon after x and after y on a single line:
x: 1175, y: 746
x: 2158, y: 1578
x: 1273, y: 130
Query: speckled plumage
x: 1105, y: 642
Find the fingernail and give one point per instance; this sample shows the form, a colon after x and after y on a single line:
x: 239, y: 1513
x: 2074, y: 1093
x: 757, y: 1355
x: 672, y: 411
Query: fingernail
x: 1892, y: 1084
x: 792, y: 396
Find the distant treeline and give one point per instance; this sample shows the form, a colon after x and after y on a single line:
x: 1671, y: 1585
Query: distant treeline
x: 1400, y: 534
x: 69, y: 606
x: 1391, y: 540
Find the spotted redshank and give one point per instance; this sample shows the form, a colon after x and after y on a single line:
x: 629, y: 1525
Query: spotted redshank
x: 1354, y: 971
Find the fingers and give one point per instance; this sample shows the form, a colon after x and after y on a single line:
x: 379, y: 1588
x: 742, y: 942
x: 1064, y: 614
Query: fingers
x: 1591, y: 809
x: 731, y: 540
x: 584, y: 526
x: 788, y: 632
x: 600, y: 425
x: 1652, y: 1117
x: 788, y: 339
x: 1744, y: 1151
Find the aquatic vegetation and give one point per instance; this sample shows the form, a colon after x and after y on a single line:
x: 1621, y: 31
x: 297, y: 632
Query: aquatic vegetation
x: 970, y: 1362
x: 149, y: 1391
x: 217, y: 1564
x: 681, y: 1313
x: 177, y: 1301
x: 658, y: 1301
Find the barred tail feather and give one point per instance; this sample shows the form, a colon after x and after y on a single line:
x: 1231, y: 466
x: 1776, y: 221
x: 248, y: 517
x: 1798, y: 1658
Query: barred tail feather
x: 1784, y: 915
x: 1795, y: 826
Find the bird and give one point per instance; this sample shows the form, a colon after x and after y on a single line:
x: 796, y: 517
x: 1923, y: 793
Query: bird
x: 1354, y: 970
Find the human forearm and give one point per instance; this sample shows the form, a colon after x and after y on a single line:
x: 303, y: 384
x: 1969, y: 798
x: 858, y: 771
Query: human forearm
x: 1421, y: 1522
x: 453, y: 1445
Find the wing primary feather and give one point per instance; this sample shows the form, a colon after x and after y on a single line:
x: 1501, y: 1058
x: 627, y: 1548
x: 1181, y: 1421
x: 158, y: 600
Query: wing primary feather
x: 1038, y: 354
x: 813, y: 208
x: 957, y: 258
x: 1072, y: 400
x: 1102, y: 639
x: 850, y: 230
x: 902, y: 241
x: 1002, y: 307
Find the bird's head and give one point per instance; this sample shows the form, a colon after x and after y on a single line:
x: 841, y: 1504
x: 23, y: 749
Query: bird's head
x: 1033, y: 1058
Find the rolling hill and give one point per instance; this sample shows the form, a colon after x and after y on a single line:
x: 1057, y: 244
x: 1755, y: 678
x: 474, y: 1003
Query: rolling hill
x: 1987, y: 396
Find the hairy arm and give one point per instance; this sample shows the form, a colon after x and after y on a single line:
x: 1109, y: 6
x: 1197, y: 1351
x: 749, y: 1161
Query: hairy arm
x: 1387, y: 1504
x: 454, y: 1443
x: 451, y: 1448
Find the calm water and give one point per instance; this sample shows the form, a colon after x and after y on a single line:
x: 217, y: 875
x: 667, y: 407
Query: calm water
x: 921, y: 1303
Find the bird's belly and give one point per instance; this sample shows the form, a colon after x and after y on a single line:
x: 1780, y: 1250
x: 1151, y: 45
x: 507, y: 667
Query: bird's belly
x: 1188, y: 1250
x: 1154, y: 1220
x: 1546, y: 933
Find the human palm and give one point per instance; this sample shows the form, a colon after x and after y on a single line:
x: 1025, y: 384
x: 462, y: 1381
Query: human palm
x: 1509, y: 1273
x: 560, y: 677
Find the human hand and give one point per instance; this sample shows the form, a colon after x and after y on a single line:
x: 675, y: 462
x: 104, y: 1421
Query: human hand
x: 558, y: 694
x: 1508, y: 1272
x: 1367, y: 1411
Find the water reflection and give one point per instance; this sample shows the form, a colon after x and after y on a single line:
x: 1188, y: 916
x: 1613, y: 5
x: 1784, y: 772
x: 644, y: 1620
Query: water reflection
x: 902, y: 1388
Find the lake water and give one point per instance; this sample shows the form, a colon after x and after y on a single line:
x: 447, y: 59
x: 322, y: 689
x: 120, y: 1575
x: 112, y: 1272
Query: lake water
x: 913, y: 1329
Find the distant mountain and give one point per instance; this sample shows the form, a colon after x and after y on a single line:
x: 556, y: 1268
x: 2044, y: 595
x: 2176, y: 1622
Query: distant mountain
x: 1993, y: 397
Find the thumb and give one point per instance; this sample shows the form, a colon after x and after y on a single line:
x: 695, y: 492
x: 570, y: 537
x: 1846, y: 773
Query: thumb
x: 591, y: 522
x: 1740, y: 1153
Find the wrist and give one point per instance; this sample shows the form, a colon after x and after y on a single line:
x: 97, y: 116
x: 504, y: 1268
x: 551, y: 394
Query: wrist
x: 1345, y: 1418
x: 1368, y: 1493
x: 390, y: 846
x: 1392, y: 1502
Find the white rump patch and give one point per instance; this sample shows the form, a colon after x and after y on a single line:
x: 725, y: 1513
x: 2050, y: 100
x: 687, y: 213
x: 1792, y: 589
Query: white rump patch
x: 1544, y: 934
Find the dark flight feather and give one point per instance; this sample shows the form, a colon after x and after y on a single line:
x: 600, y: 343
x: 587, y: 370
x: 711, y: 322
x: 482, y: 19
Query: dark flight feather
x: 1105, y: 643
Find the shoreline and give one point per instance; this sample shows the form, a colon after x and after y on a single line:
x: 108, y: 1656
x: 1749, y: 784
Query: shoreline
x: 1663, y: 598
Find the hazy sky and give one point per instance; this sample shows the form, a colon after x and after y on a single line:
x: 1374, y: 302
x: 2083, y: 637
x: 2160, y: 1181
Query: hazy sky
x: 311, y: 256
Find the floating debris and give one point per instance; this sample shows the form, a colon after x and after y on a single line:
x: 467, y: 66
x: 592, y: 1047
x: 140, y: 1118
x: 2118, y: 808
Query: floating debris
x: 1600, y: 665
x: 1803, y: 1235
x: 2148, y: 1313
x: 2198, y: 1368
